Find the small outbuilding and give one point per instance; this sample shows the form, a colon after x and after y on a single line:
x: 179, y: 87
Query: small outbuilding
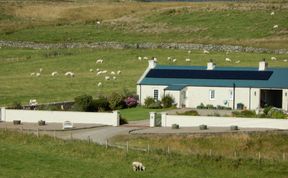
x: 246, y: 87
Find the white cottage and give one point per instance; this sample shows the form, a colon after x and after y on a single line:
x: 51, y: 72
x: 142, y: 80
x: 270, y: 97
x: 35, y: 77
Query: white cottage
x: 225, y: 86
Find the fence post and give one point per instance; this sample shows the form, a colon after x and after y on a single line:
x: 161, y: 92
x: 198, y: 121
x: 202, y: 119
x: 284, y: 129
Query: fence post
x: 54, y: 135
x: 168, y: 150
x: 22, y: 130
x: 37, y: 132
x: 127, y: 146
x: 235, y: 154
x: 259, y: 157
x: 210, y: 152
x: 71, y: 136
x: 152, y: 119
x: 148, y: 148
x: 284, y: 156
x: 106, y: 144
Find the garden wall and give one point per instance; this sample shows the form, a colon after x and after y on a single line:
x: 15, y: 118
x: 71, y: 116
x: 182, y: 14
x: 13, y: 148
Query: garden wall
x: 111, y: 118
x: 195, y: 121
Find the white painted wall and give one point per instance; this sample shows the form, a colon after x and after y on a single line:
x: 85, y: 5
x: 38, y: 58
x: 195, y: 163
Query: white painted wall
x: 285, y: 99
x: 175, y: 95
x: 148, y: 91
x: 195, y: 121
x: 61, y: 116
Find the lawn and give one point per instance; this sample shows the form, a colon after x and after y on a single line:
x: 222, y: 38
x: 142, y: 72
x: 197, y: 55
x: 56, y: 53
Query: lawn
x: 16, y: 65
x: 29, y: 156
x: 138, y: 113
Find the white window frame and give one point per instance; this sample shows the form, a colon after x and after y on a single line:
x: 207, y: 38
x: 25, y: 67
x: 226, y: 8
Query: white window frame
x: 154, y: 96
x: 212, y: 93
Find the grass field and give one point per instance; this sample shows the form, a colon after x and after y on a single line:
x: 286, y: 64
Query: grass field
x: 138, y: 113
x: 243, y: 23
x: 29, y: 156
x: 16, y: 65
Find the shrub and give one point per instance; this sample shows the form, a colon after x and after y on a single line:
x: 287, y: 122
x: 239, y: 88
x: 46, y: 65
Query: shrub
x: 245, y: 113
x: 16, y: 105
x: 233, y: 127
x: 148, y: 101
x: 123, y: 120
x: 175, y: 126
x: 210, y: 106
x: 101, y: 104
x: 201, y: 106
x: 155, y: 105
x: 16, y: 122
x: 276, y: 113
x: 116, y: 101
x: 82, y: 103
x: 131, y: 101
x: 167, y: 101
x: 41, y: 122
x: 189, y: 113
x: 203, y: 127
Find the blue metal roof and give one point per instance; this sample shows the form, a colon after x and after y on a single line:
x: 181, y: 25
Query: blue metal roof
x: 278, y: 78
x: 175, y: 87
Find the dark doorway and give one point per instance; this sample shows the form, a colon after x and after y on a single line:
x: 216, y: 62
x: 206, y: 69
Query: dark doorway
x: 271, y: 98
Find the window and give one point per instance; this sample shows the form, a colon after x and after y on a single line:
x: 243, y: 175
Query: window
x: 211, y: 94
x: 231, y: 94
x: 156, y: 94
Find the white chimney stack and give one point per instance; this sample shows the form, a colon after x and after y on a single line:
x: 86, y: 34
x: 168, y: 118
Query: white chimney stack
x: 263, y: 65
x: 152, y: 64
x: 211, y: 65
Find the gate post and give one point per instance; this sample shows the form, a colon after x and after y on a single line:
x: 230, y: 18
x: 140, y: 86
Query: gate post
x: 163, y: 119
x: 3, y: 114
x: 152, y: 119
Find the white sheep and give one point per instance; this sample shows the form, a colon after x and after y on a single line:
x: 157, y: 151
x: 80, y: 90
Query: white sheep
x: 99, y: 84
x: 98, y: 22
x: 114, y: 78
x: 189, y: 52
x: 285, y: 60
x: 205, y: 51
x: 119, y: 72
x: 69, y: 74
x: 145, y: 58
x: 90, y: 70
x: 97, y: 69
x: 275, y: 26
x: 33, y: 102
x: 104, y: 71
x: 99, y: 73
x: 187, y: 60
x: 138, y: 166
x: 40, y: 70
x: 38, y: 74
x: 273, y: 58
x: 155, y: 59
x: 227, y: 59
x: 139, y: 58
x: 99, y: 61
x: 112, y: 73
x: 237, y: 62
x: 169, y: 58
x: 174, y: 60
x: 54, y: 74
x: 107, y: 77
x: 272, y: 13
x: 32, y: 74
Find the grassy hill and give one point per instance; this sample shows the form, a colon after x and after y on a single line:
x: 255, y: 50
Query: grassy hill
x: 16, y: 65
x: 29, y: 156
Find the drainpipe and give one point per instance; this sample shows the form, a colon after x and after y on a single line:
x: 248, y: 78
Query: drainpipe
x: 234, y: 86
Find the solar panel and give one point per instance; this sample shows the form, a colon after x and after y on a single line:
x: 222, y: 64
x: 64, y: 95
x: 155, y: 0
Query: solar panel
x: 209, y: 74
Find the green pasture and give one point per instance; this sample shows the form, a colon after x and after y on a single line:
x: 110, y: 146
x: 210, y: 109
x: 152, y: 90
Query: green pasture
x: 16, y: 65
x: 29, y: 156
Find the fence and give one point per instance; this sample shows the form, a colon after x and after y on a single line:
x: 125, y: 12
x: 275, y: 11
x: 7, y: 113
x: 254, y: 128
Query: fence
x: 195, y: 121
x: 9, y: 115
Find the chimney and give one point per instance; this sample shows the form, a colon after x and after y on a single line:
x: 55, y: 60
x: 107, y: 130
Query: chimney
x: 211, y: 65
x: 152, y: 64
x: 263, y: 65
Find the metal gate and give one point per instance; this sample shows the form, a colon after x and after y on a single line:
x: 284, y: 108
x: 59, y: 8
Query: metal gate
x: 157, y: 119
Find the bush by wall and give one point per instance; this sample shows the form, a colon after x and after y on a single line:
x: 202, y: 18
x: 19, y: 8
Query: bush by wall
x: 167, y: 101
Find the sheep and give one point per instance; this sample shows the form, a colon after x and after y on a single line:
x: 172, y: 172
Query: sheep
x: 237, y: 62
x: 275, y: 26
x: 104, y: 71
x: 169, y: 58
x: 114, y: 78
x: 99, y: 61
x: 174, y: 60
x: 98, y: 22
x: 54, y: 74
x: 145, y: 58
x: 38, y: 74
x: 112, y: 73
x: 97, y: 69
x: 99, y: 73
x: 119, y: 72
x: 139, y: 58
x: 187, y: 60
x: 285, y: 60
x: 90, y: 70
x: 273, y: 58
x: 155, y: 59
x: 189, y: 52
x: 33, y: 102
x: 40, y: 70
x: 107, y: 77
x: 32, y: 74
x: 69, y: 74
x: 205, y: 51
x: 138, y: 166
x: 227, y: 59
x: 272, y: 13
x: 99, y: 84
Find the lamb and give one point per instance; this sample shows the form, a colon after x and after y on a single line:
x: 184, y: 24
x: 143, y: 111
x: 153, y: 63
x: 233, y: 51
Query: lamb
x: 227, y: 59
x: 119, y: 72
x: 273, y: 58
x: 205, y: 51
x: 107, y: 77
x: 112, y: 73
x: 275, y: 26
x: 138, y: 166
x: 187, y: 60
x: 99, y: 61
x: 54, y: 74
x: 99, y: 84
x: 69, y: 74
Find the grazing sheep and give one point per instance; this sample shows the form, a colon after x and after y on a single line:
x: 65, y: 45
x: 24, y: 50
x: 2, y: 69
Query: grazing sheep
x: 54, y: 74
x: 107, y: 77
x: 99, y: 61
x: 285, y: 60
x: 169, y: 58
x: 98, y: 22
x: 97, y: 69
x: 155, y: 59
x: 174, y: 60
x: 139, y: 58
x: 104, y: 71
x: 138, y: 166
x: 187, y: 60
x: 99, y: 84
x: 114, y: 78
x: 40, y: 70
x: 99, y: 73
x: 237, y: 62
x: 273, y: 58
x: 32, y: 74
x: 38, y: 74
x: 90, y: 70
x: 275, y: 26
x: 145, y: 58
x: 119, y: 72
x: 272, y: 13
x: 205, y: 51
x: 227, y: 59
x: 112, y: 73
x: 189, y: 52
x: 69, y: 74
x: 33, y: 102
